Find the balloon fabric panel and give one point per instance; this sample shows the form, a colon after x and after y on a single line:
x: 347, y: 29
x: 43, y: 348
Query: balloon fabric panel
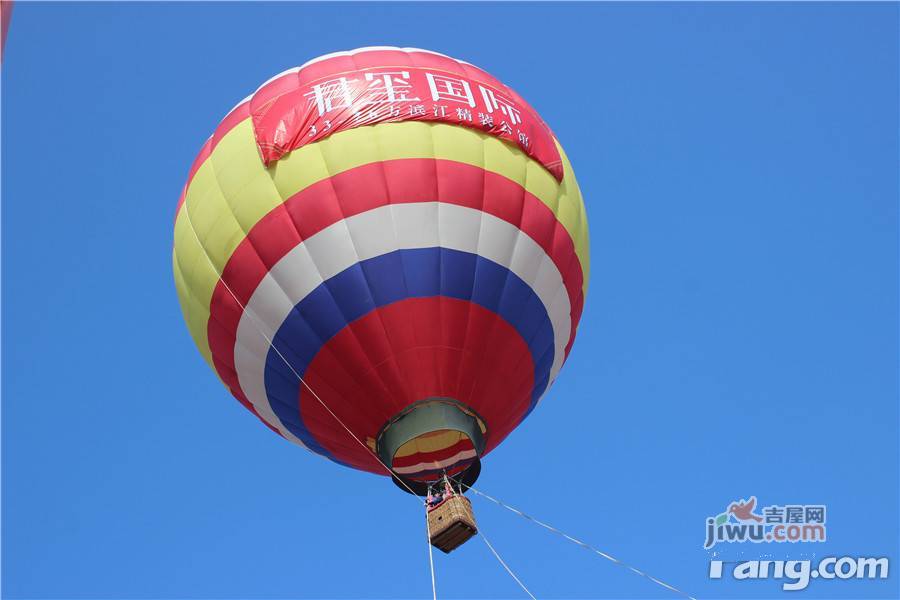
x: 389, y: 263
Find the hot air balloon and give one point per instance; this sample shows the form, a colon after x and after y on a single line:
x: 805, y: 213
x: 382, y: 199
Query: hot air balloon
x: 383, y: 255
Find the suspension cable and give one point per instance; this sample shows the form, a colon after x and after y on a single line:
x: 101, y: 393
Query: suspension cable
x: 430, y: 556
x: 290, y: 366
x: 271, y: 343
x: 505, y: 566
x: 312, y: 391
x: 584, y: 545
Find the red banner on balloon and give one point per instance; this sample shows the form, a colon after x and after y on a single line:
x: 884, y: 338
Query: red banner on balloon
x: 302, y: 112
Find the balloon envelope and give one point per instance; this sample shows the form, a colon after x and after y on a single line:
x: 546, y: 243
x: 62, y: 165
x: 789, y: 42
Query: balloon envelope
x: 388, y: 241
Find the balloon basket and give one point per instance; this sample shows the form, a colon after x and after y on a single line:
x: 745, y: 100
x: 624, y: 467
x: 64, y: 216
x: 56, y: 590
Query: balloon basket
x: 451, y: 523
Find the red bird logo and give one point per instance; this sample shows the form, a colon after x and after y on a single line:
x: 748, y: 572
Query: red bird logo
x: 743, y: 510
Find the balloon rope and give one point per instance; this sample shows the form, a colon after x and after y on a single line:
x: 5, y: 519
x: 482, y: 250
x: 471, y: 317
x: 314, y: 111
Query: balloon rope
x: 580, y: 543
x: 505, y: 566
x: 277, y: 351
x: 386, y: 468
x: 312, y: 391
x: 430, y: 556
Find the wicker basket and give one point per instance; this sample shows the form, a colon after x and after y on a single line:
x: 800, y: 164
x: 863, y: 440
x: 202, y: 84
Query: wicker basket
x: 451, y: 523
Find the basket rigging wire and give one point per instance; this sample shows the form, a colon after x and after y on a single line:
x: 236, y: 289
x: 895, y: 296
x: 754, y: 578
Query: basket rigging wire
x: 584, y: 545
x: 505, y: 566
x: 271, y: 343
x: 430, y: 555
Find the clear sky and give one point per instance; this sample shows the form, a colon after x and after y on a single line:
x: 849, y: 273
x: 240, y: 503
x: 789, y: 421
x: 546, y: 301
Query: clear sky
x: 739, y: 166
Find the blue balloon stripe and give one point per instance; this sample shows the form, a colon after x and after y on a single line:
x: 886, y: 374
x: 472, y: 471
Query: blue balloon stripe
x: 389, y: 278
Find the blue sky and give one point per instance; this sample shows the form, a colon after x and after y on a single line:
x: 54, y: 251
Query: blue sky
x: 740, y: 337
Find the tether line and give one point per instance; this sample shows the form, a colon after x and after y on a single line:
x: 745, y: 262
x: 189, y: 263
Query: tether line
x: 430, y: 556
x: 271, y: 343
x: 584, y: 545
x: 505, y: 566
x: 388, y: 469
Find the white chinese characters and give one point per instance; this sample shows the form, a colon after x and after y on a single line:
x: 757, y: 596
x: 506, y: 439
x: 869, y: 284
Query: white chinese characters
x: 369, y: 97
x: 331, y: 95
x: 495, y: 101
x: 391, y: 86
x: 450, y: 89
